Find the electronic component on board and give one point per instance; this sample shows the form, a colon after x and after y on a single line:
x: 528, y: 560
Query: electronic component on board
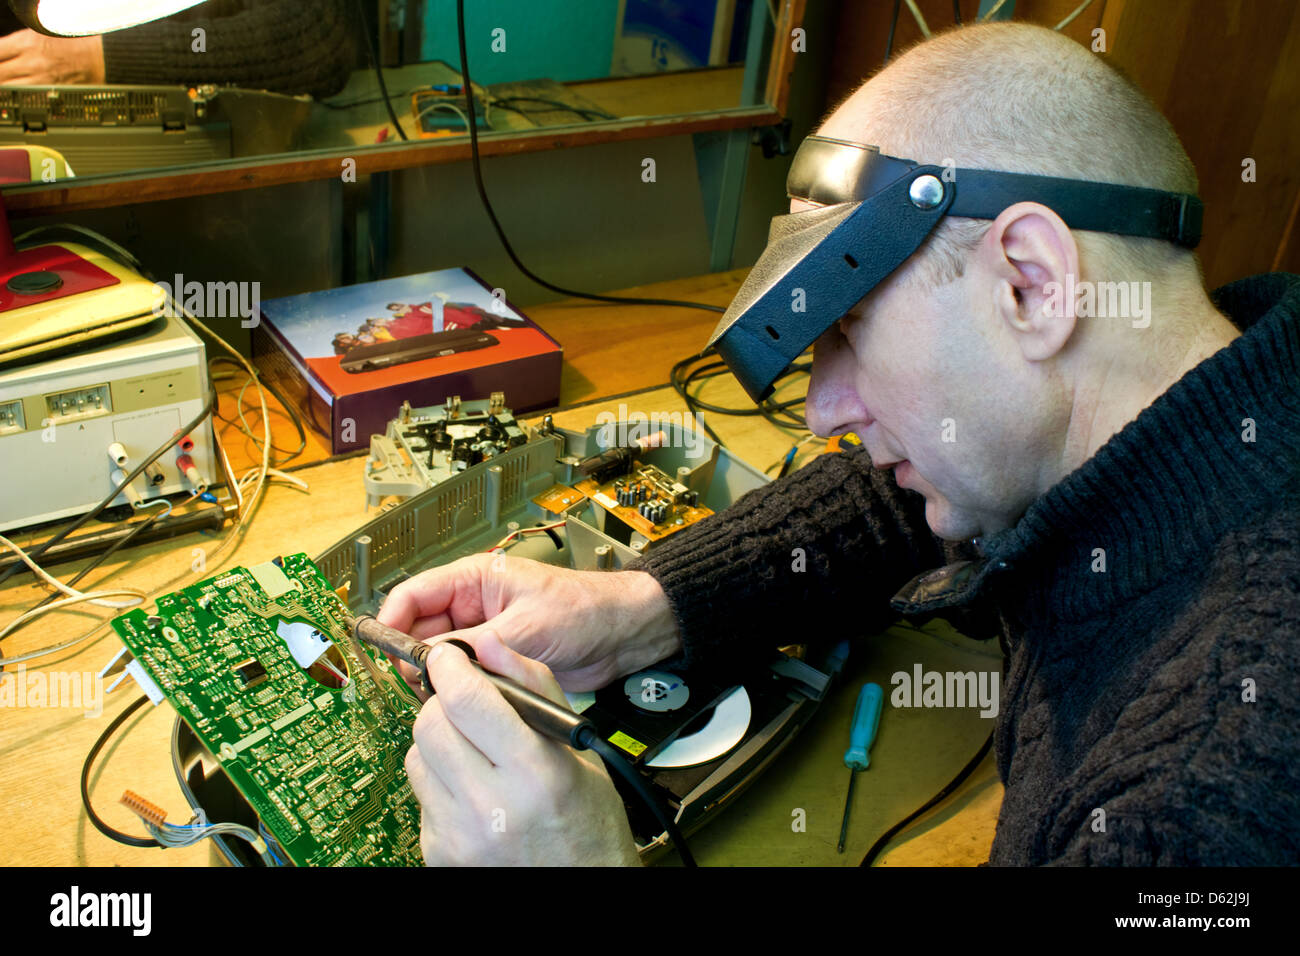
x: 320, y: 760
x: 644, y: 497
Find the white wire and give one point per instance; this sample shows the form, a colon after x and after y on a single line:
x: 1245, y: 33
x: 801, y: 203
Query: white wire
x: 523, y: 531
x: 993, y: 11
x: 1070, y: 19
x: 171, y: 835
x: 445, y: 106
x: 243, y: 422
x: 920, y: 20
x: 274, y: 473
x: 240, y: 524
x: 63, y: 602
x: 74, y: 596
x: 92, y: 596
x: 55, y: 649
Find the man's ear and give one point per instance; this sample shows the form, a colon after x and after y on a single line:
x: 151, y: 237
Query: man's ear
x: 1035, y: 260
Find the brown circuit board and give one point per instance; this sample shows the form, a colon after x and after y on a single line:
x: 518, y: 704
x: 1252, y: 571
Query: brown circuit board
x: 648, y: 500
x: 558, y: 499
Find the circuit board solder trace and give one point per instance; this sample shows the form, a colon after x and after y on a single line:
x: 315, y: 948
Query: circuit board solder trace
x: 318, y: 750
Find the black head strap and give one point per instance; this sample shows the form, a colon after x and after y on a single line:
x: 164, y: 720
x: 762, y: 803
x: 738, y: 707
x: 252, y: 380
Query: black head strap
x: 827, y: 171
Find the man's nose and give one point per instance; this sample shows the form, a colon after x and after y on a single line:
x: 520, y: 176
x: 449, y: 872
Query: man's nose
x: 831, y: 394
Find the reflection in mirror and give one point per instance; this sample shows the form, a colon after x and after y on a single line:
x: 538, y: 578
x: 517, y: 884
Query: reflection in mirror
x: 229, y: 79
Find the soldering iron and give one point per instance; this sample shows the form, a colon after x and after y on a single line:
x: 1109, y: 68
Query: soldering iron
x: 542, y: 715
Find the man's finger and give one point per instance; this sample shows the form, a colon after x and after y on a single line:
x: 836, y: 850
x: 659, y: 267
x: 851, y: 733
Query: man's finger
x: 409, y: 674
x: 444, y: 749
x: 494, y: 655
x: 478, y: 710
x: 428, y: 788
x: 433, y: 626
x: 430, y: 593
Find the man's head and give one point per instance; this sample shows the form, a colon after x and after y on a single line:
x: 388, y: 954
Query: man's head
x: 967, y: 363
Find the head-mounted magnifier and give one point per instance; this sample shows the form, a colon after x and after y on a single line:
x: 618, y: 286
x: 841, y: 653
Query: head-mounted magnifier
x: 876, y: 211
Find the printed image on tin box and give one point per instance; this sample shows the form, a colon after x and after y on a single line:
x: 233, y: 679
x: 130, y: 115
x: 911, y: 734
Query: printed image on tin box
x: 413, y: 331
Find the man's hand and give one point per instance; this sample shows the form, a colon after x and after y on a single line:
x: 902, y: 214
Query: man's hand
x: 588, y: 627
x: 33, y: 59
x: 494, y: 792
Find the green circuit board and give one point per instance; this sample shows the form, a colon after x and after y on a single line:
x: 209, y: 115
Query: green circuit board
x: 317, y: 748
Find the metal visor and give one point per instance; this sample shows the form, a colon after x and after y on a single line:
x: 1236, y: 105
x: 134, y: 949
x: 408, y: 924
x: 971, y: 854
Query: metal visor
x: 816, y: 267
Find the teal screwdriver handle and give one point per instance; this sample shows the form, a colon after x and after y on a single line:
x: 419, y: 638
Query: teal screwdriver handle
x: 866, y: 721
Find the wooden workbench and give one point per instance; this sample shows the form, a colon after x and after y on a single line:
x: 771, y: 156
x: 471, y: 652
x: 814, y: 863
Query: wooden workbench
x: 918, y: 751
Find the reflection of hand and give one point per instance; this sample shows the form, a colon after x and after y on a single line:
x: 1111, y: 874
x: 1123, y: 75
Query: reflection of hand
x: 493, y: 791
x: 31, y: 58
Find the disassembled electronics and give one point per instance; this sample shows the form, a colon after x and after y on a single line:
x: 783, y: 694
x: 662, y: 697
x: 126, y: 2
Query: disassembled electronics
x: 424, y: 446
x: 647, y: 499
x: 694, y: 739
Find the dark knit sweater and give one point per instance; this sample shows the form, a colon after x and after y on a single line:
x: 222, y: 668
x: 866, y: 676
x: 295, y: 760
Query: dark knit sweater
x: 1124, y: 688
x: 285, y: 46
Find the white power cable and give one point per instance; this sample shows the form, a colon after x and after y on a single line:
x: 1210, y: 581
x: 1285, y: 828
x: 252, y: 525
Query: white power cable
x: 920, y: 20
x: 94, y: 597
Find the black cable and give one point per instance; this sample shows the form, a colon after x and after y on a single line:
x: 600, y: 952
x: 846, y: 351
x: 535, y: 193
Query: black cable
x: 372, y: 50
x: 889, y: 44
x: 591, y: 740
x: 99, y: 824
x: 787, y: 462
x: 791, y: 422
x: 587, y: 115
x: 113, y: 549
x: 778, y: 413
x: 500, y: 102
x: 956, y: 11
x: 714, y: 369
x: 208, y: 407
x: 938, y: 798
x: 468, y: 86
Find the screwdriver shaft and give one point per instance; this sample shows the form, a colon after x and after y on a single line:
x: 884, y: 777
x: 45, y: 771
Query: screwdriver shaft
x: 848, y: 802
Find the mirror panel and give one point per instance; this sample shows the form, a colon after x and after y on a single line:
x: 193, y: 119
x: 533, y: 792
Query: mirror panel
x: 306, y: 95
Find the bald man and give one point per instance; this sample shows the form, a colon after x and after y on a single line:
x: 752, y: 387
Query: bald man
x: 1116, y: 497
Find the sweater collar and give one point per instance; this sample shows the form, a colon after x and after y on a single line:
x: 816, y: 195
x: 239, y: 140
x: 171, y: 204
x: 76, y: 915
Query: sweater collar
x: 1216, y: 448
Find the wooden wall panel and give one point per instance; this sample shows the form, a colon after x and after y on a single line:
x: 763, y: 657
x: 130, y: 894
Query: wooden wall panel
x: 1225, y: 72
